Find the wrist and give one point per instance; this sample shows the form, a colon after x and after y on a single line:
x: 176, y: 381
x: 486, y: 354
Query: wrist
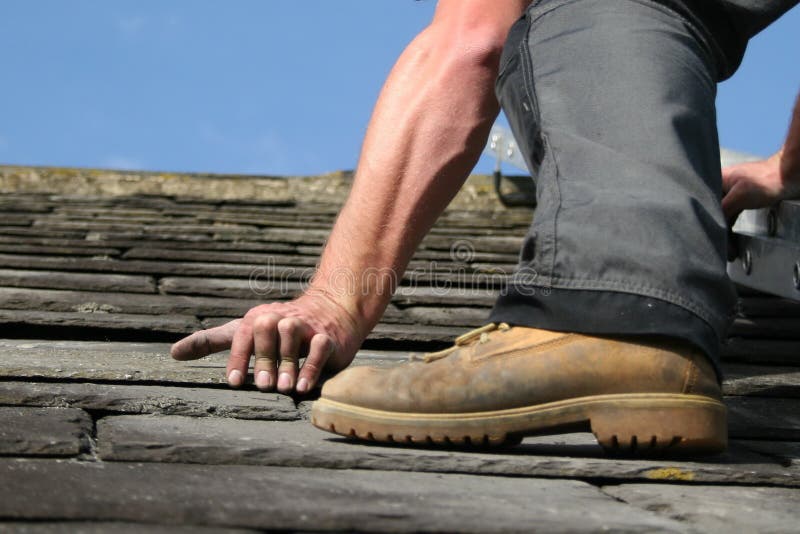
x: 789, y: 161
x: 361, y: 307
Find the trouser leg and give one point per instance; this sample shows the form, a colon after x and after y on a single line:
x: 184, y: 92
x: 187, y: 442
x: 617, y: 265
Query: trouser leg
x: 613, y: 104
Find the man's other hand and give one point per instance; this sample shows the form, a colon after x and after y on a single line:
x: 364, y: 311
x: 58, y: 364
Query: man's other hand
x: 759, y: 184
x: 279, y: 334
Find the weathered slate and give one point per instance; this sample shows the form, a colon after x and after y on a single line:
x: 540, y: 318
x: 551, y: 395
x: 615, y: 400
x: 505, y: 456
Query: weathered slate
x: 768, y: 307
x: 285, y: 498
x: 17, y: 219
x: 99, y: 318
x: 502, y: 244
x: 218, y: 231
x: 80, y: 281
x: 770, y: 327
x: 474, y: 256
x: 48, y: 224
x: 57, y: 250
x: 761, y: 380
x: 265, y: 270
x: 104, y: 527
x: 106, y: 361
x: 11, y: 203
x: 26, y: 431
x: 109, y: 265
x: 133, y: 399
x: 767, y: 351
x: 74, y: 244
x: 35, y: 231
x: 416, y: 333
x: 229, y: 287
x: 229, y: 441
x: 105, y: 236
x: 268, y: 289
x: 786, y: 453
x: 267, y: 220
x: 452, y: 296
x: 447, y: 316
x: 763, y: 418
x: 442, y: 263
x: 127, y: 362
x: 717, y: 509
x: 212, y: 256
x: 118, y: 302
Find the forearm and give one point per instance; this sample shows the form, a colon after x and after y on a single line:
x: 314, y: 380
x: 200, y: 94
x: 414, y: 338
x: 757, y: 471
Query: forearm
x: 426, y: 133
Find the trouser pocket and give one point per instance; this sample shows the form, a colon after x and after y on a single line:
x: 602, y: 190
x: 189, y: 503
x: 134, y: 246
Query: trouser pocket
x: 514, y: 91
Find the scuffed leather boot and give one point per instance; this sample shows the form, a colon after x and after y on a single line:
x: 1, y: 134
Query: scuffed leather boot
x: 500, y: 383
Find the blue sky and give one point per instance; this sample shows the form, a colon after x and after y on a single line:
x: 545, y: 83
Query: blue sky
x: 263, y: 87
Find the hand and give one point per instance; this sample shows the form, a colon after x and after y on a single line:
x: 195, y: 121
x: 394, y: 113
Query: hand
x: 759, y: 184
x: 279, y: 334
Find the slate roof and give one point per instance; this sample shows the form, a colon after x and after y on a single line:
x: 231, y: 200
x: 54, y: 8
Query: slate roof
x: 100, y: 429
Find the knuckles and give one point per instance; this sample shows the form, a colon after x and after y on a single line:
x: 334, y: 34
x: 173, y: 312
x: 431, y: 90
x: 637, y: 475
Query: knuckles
x: 265, y: 321
x: 288, y: 326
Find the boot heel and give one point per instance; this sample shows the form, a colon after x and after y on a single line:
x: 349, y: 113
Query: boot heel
x: 661, y: 426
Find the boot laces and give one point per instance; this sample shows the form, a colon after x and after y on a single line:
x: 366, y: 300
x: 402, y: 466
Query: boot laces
x: 481, y: 334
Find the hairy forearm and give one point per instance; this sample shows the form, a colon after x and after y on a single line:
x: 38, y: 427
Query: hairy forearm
x: 426, y: 133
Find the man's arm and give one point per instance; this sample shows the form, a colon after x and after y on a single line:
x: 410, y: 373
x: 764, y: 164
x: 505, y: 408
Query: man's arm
x: 426, y: 133
x: 759, y: 184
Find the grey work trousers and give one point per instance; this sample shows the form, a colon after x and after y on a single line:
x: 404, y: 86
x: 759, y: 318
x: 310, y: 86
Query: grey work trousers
x: 612, y: 103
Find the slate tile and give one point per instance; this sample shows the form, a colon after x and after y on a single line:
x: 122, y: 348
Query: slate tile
x: 311, y: 499
x: 127, y: 362
x: 716, y: 508
x: 28, y: 431
x: 104, y: 527
x: 221, y: 441
x: 135, y: 399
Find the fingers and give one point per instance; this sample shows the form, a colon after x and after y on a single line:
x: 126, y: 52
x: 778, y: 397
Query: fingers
x: 241, y: 349
x: 729, y: 175
x: 205, y: 342
x: 292, y: 332
x: 272, y: 337
x: 733, y: 203
x: 320, y: 349
x: 265, y: 341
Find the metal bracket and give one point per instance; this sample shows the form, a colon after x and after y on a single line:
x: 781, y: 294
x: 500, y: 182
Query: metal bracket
x: 504, y: 148
x: 768, y: 241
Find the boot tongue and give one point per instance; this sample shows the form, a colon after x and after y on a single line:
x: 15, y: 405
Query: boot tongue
x: 481, y: 334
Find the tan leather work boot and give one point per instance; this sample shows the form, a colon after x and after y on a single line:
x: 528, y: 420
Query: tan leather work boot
x: 500, y: 383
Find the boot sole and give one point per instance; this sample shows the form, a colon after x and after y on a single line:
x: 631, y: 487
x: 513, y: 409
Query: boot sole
x: 629, y: 424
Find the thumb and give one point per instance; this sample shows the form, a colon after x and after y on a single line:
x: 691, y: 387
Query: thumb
x: 205, y: 342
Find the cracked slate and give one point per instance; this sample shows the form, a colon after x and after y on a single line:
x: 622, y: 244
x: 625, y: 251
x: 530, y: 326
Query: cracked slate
x: 126, y: 362
x: 26, y: 431
x: 319, y: 499
x: 717, y: 509
x: 136, y: 399
x: 229, y: 441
